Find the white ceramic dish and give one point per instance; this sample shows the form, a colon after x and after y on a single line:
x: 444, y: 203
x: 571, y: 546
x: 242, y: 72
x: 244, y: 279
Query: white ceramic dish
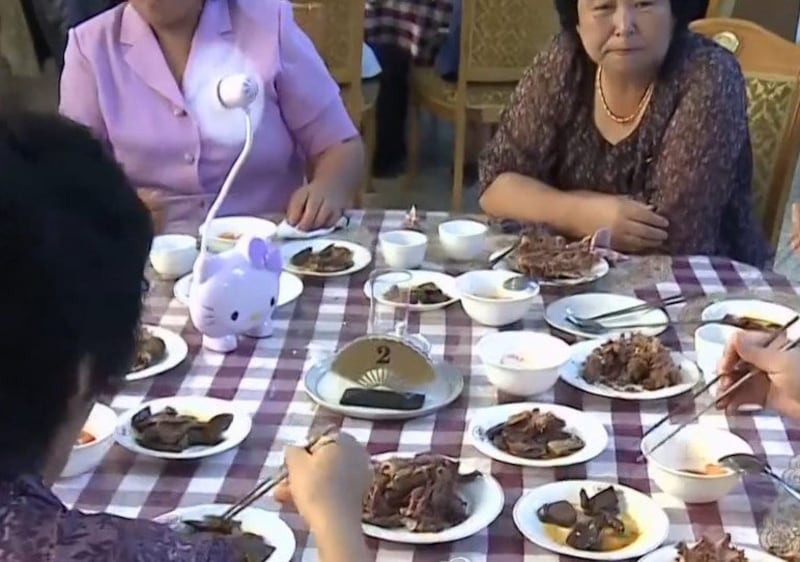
x: 291, y: 287
x: 485, y: 500
x: 202, y: 407
x: 581, y: 424
x: 669, y: 554
x: 486, y: 301
x: 326, y: 388
x: 173, y: 255
x: 752, y: 308
x: 587, y: 305
x: 445, y: 282
x: 269, y: 526
x: 692, y: 449
x: 599, y: 270
x: 362, y: 257
x: 101, y: 424
x: 522, y: 363
x: 177, y: 350
x: 236, y: 227
x: 571, y: 374
x: 403, y: 249
x: 463, y: 240
x: 710, y: 341
x: 652, y: 520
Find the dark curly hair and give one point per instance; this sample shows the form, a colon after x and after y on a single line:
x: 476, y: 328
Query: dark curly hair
x: 74, y: 238
x: 684, y: 11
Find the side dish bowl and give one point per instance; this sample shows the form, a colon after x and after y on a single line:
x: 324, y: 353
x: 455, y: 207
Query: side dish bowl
x: 100, y: 425
x: 224, y: 232
x: 486, y: 301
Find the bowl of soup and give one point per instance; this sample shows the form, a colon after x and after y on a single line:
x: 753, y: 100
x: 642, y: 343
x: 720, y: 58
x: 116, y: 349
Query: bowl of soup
x: 225, y: 232
x: 93, y: 442
x: 487, y: 302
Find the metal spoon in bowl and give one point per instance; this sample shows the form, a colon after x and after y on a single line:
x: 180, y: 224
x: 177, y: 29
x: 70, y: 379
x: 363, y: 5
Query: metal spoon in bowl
x: 518, y: 283
x: 750, y: 464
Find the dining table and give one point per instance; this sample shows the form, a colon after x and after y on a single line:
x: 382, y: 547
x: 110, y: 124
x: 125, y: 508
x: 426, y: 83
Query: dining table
x: 264, y: 376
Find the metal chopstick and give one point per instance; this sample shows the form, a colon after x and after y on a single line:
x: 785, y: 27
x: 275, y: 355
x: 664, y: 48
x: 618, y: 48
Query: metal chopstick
x: 669, y: 301
x: 739, y: 366
x: 498, y: 258
x: 728, y: 392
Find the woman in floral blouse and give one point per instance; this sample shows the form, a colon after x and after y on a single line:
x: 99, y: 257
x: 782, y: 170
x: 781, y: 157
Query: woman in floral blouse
x: 629, y: 121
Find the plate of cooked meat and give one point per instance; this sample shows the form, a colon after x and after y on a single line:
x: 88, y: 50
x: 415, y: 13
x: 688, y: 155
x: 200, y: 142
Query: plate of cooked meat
x: 324, y: 257
x: 629, y: 367
x: 553, y: 260
x: 708, y: 550
x: 428, y: 499
x: 537, y: 435
x: 183, y: 427
x: 255, y: 534
x: 751, y: 315
x: 591, y: 520
x: 422, y: 290
x: 158, y: 350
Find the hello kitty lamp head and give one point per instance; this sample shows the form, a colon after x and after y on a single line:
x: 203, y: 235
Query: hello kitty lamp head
x: 235, y: 293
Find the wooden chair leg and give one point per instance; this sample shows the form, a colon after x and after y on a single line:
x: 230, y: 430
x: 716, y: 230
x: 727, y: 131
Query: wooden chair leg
x: 412, y: 165
x: 369, y: 140
x: 459, y: 151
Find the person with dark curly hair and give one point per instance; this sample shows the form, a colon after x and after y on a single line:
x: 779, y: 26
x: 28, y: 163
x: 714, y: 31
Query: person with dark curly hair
x: 74, y: 239
x: 631, y: 122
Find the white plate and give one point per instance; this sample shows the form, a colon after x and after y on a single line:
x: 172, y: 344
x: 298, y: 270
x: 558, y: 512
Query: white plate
x: 326, y: 388
x: 669, y: 554
x: 592, y: 304
x: 177, y: 350
x: 752, y: 308
x: 361, y: 256
x: 291, y: 287
x: 585, y: 426
x: 652, y: 521
x: 203, y: 407
x: 485, y: 500
x: 445, y: 282
x: 571, y: 374
x: 599, y: 269
x: 267, y: 525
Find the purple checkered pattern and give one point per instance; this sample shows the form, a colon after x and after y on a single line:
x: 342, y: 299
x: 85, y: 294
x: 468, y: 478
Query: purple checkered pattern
x: 413, y: 25
x: 263, y: 377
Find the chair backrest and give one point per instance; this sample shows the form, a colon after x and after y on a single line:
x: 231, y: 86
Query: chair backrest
x: 771, y: 66
x: 720, y: 8
x: 500, y: 38
x: 311, y: 19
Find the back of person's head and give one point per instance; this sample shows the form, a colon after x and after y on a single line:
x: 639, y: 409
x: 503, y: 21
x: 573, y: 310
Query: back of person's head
x: 74, y: 238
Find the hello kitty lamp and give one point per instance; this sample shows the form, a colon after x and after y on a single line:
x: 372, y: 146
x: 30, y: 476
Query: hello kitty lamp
x: 235, y: 292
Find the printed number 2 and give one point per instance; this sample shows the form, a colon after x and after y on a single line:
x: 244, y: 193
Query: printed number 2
x: 383, y: 355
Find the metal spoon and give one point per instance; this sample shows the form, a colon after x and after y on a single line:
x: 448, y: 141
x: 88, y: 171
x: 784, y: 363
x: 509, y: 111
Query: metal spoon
x: 750, y: 464
x: 519, y: 283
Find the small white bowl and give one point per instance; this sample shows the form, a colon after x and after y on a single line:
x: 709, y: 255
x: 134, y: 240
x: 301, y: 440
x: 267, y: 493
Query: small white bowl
x: 486, y: 301
x: 692, y: 449
x: 173, y: 255
x: 542, y: 357
x: 224, y: 232
x: 463, y: 240
x: 403, y: 249
x: 709, y: 345
x: 101, y: 423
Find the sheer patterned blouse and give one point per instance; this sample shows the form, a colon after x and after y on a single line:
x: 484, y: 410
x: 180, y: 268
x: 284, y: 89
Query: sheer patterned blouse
x: 690, y: 157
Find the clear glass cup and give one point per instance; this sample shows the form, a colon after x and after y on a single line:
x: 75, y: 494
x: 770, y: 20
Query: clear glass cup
x: 393, y: 285
x: 780, y: 530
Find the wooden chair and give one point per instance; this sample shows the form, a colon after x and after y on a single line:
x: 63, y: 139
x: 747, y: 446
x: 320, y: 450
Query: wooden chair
x: 499, y: 39
x: 720, y: 8
x: 771, y: 66
x: 337, y: 29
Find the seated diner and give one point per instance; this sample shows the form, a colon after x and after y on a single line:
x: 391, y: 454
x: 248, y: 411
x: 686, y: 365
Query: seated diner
x: 142, y: 76
x: 631, y: 122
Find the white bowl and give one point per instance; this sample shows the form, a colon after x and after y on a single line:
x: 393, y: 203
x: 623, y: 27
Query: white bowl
x: 236, y: 227
x: 709, y: 345
x: 752, y: 308
x: 543, y: 356
x: 403, y: 249
x: 486, y: 301
x: 101, y: 423
x: 692, y: 449
x: 463, y: 240
x: 173, y: 255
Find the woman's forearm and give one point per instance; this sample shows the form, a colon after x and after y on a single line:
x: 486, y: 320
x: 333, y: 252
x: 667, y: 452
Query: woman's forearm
x: 528, y: 200
x: 340, y: 541
x: 340, y: 168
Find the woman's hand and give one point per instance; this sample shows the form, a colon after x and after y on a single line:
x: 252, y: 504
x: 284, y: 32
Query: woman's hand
x: 634, y: 226
x: 315, y: 206
x: 154, y: 202
x: 795, y: 242
x: 328, y: 485
x: 778, y: 389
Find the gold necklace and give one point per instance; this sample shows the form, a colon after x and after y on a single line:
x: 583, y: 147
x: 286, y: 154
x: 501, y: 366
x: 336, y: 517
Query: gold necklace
x: 613, y: 116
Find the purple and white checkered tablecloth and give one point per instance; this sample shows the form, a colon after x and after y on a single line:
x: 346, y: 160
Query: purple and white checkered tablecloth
x: 263, y: 377
x: 413, y: 25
